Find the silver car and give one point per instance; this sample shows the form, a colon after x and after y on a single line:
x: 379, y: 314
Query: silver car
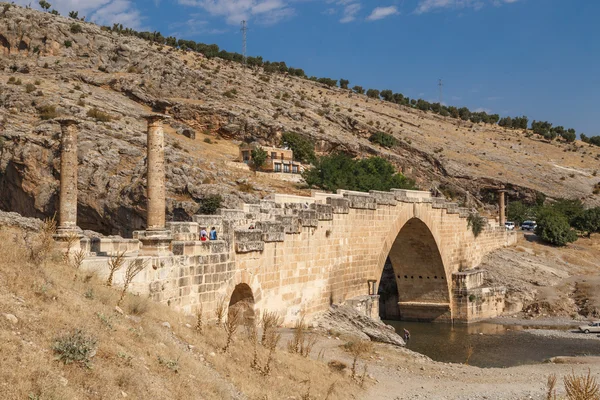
x: 593, y: 326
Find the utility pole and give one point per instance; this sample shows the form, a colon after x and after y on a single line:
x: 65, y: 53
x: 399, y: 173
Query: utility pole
x: 441, y: 85
x: 244, y: 32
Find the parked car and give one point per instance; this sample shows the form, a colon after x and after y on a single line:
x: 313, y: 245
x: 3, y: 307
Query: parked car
x: 509, y: 225
x: 593, y: 326
x: 528, y: 225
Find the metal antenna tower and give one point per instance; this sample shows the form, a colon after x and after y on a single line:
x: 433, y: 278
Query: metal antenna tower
x: 441, y: 85
x: 244, y: 37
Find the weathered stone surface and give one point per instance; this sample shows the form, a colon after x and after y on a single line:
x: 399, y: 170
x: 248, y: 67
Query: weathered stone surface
x: 349, y: 321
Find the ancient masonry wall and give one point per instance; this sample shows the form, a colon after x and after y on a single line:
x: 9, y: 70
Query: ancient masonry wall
x: 303, y: 253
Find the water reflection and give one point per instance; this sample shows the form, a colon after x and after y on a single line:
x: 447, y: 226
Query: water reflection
x: 493, y: 345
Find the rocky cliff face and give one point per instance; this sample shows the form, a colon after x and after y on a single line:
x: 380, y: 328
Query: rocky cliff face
x: 46, y: 69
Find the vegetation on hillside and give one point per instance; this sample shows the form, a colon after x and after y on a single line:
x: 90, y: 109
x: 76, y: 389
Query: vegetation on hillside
x: 542, y: 128
x: 557, y: 223
x: 340, y: 171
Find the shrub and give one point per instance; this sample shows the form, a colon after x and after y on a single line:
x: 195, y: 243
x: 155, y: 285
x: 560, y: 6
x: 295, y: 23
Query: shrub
x: 99, y: 115
x: 553, y: 227
x: 76, y: 347
x: 48, y: 112
x: 30, y: 87
x: 230, y: 93
x: 303, y: 148
x: 476, y: 222
x: 340, y: 171
x: 207, y: 140
x: 76, y: 28
x: 383, y: 139
x: 68, y: 43
x: 210, y: 204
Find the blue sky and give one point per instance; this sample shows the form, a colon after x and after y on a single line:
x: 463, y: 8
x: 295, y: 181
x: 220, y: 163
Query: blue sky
x: 540, y: 58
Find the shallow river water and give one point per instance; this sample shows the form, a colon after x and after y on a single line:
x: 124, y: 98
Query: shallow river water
x: 492, y: 345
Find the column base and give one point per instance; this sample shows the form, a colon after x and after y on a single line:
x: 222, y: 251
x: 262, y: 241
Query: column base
x: 155, y: 243
x: 68, y: 238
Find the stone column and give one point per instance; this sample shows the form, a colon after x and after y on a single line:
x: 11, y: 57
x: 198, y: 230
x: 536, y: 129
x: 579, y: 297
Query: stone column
x: 502, y: 218
x: 67, y: 209
x: 67, y: 216
x: 156, y: 239
x: 156, y: 173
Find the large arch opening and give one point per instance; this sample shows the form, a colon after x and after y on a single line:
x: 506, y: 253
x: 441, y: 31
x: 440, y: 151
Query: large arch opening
x: 242, y: 302
x: 413, y: 283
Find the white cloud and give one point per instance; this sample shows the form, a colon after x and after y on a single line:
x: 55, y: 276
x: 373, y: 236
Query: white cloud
x: 425, y: 6
x: 234, y: 11
x: 350, y: 12
x: 104, y: 12
x: 382, y: 12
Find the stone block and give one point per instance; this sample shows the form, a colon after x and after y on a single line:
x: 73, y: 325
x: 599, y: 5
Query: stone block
x: 248, y: 240
x: 184, y: 230
x: 338, y: 205
x: 232, y: 215
x: 384, y: 198
x: 324, y: 211
x: 308, y: 218
x: 273, y: 231
x: 360, y: 200
x: 291, y: 224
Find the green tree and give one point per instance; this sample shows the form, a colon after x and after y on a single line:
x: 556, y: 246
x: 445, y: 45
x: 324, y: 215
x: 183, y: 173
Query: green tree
x: 54, y: 12
x: 210, y: 204
x: 373, y: 93
x: 303, y: 148
x: 387, y: 95
x: 571, y: 209
x: 358, y: 89
x: 518, y: 212
x: 344, y: 83
x: 340, y: 171
x: 259, y: 156
x: 73, y: 14
x: 553, y: 227
x: 45, y: 5
x: 589, y: 221
x: 464, y: 113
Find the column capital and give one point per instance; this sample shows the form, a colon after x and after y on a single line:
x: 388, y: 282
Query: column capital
x: 155, y: 117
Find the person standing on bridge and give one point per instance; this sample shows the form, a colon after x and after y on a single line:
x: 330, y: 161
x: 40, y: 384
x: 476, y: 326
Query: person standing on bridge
x: 203, y: 235
x: 213, y: 233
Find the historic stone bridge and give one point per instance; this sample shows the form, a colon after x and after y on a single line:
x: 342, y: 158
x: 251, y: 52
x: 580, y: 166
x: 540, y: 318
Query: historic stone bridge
x: 296, y: 255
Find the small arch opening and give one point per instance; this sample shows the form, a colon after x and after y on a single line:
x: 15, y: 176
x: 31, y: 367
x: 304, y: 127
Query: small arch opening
x: 242, y: 302
x: 23, y: 46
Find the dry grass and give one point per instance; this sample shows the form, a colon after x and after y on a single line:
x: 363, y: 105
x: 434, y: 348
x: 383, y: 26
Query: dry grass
x: 303, y: 341
x: 137, y: 356
x: 581, y: 387
x: 358, y: 349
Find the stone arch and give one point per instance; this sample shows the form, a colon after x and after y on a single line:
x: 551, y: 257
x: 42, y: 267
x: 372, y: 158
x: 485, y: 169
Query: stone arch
x: 5, y: 45
x: 417, y: 264
x: 242, y: 300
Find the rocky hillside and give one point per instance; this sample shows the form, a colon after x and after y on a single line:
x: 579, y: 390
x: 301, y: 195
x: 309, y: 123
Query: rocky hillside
x: 48, y: 67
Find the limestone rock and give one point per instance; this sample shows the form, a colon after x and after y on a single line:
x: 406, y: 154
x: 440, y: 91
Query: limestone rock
x: 11, y: 318
x: 347, y: 320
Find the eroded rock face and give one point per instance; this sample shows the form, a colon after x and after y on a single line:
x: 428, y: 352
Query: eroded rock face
x: 126, y: 77
x: 347, y: 320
